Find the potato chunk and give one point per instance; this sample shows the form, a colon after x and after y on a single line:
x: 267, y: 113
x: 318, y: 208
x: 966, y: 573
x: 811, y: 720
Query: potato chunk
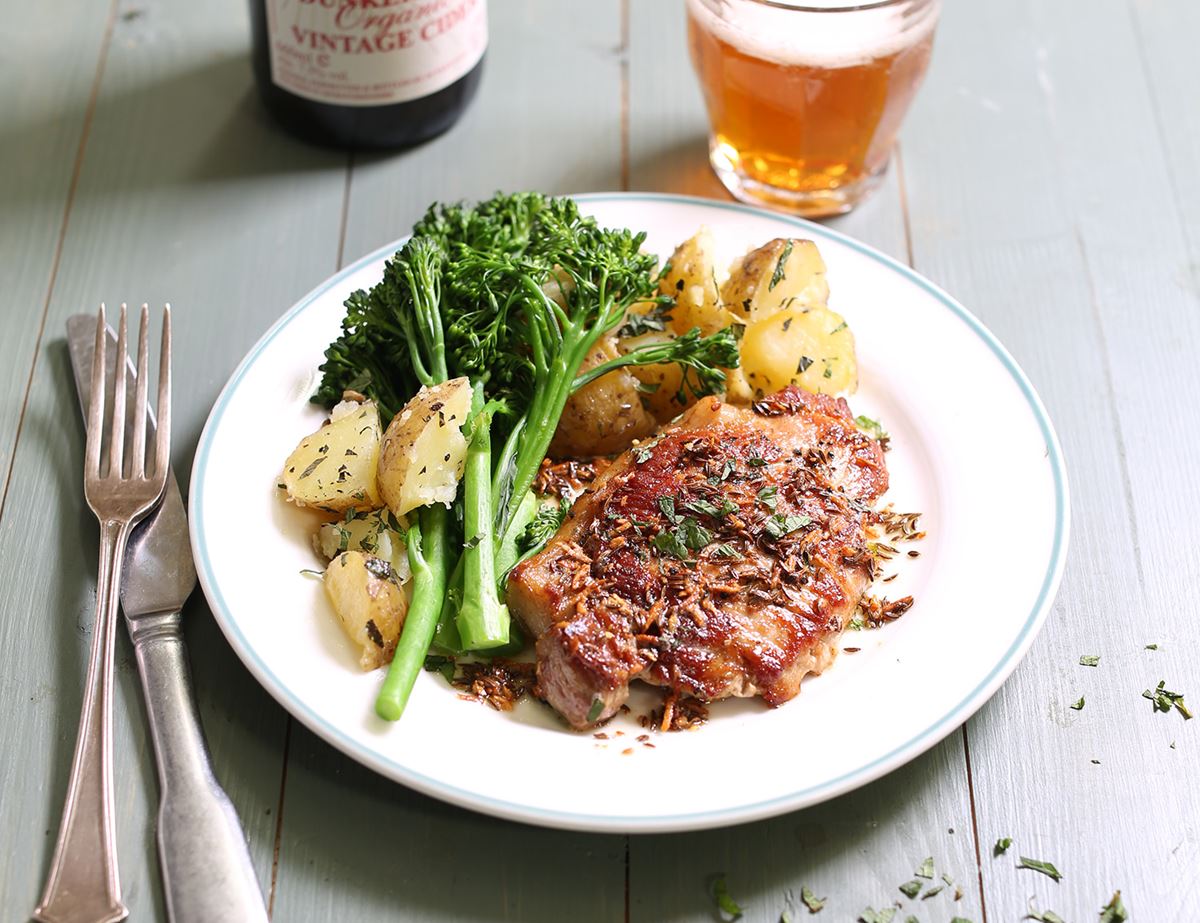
x: 658, y: 384
x: 602, y: 417
x: 691, y: 279
x: 779, y: 274
x: 378, y: 532
x: 811, y: 347
x: 369, y: 602
x: 423, y: 452
x: 334, y: 468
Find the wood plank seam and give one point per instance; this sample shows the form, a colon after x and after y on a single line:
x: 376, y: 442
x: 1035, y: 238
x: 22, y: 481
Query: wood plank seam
x: 287, y: 746
x: 1110, y: 391
x: 1160, y: 128
x: 73, y: 185
x: 908, y: 250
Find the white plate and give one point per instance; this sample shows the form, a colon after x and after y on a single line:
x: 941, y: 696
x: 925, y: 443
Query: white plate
x: 973, y: 450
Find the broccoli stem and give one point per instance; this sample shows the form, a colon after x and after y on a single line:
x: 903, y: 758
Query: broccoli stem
x: 482, y: 620
x: 508, y: 552
x: 427, y: 555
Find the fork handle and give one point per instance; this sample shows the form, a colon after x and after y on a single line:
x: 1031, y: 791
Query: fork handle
x: 206, y: 867
x: 83, y: 886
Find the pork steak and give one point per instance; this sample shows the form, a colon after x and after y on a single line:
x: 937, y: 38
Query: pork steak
x: 723, y: 558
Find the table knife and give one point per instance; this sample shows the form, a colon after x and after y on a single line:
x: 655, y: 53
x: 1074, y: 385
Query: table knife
x: 206, y: 868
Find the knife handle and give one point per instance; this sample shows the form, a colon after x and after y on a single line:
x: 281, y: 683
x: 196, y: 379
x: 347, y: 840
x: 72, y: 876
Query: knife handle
x: 206, y: 868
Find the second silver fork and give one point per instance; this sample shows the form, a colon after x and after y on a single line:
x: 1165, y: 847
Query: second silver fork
x: 83, y: 885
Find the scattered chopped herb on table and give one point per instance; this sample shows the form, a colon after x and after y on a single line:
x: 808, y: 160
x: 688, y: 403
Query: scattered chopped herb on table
x: 725, y: 903
x: 1045, y: 916
x: 1089, y: 660
x: 1037, y: 865
x: 911, y: 889
x: 1151, y: 647
x: 926, y: 869
x: 1078, y: 706
x: 811, y: 901
x: 1164, y: 700
x: 1114, y: 911
x: 1002, y: 845
x: 871, y: 915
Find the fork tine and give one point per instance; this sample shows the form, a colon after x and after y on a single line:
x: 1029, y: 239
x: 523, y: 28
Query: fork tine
x: 95, y: 428
x: 162, y: 453
x: 137, y: 461
x: 116, y: 445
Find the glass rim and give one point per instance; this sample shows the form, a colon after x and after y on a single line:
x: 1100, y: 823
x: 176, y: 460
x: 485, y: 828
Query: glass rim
x: 851, y: 6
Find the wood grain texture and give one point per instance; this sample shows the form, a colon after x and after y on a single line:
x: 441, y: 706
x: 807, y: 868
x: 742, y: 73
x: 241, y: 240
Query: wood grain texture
x: 43, y: 129
x: 353, y: 845
x: 188, y: 195
x: 859, y: 848
x: 1082, y: 281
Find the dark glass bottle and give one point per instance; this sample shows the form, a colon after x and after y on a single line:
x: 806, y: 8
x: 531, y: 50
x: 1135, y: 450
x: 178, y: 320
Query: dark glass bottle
x: 365, y: 74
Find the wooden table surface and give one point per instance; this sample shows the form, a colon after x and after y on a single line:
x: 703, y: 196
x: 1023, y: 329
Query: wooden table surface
x: 1047, y: 177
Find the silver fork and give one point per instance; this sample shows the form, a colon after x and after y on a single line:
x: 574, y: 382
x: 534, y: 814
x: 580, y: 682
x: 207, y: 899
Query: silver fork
x: 83, y: 886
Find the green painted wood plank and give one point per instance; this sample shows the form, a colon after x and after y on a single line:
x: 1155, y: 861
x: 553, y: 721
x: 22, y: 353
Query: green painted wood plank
x: 187, y: 194
x: 1040, y: 194
x: 857, y: 849
x: 42, y: 124
x: 354, y: 845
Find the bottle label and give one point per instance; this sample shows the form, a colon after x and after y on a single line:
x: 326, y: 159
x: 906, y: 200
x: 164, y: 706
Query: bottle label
x: 373, y: 52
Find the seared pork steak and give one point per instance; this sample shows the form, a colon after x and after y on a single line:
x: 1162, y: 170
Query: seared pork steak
x: 723, y: 558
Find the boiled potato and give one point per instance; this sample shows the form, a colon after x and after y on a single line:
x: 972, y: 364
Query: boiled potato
x: 378, y: 532
x: 604, y: 416
x: 691, y: 279
x: 807, y: 346
x: 369, y: 602
x: 334, y: 468
x: 779, y: 274
x: 424, y: 450
x: 659, y: 384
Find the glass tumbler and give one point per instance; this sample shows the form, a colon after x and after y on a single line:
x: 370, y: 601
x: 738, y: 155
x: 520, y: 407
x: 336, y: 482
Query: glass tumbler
x: 805, y: 99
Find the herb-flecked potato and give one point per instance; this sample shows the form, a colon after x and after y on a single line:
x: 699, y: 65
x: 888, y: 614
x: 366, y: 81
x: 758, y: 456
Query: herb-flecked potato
x: 659, y: 384
x: 334, y: 468
x: 369, y: 602
x: 377, y: 532
x: 807, y: 346
x: 690, y: 277
x: 605, y: 416
x: 781, y: 273
x: 423, y: 452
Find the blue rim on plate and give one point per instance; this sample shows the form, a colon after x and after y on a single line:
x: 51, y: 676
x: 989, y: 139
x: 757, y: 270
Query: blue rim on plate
x: 666, y: 822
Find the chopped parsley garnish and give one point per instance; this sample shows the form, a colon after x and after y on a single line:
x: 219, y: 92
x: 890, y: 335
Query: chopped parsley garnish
x: 597, y: 707
x: 872, y: 428
x: 725, y: 550
x: 1044, y: 916
x: 694, y: 535
x: 933, y: 892
x: 768, y: 497
x: 926, y: 869
x: 1037, y: 865
x: 1114, y: 911
x: 721, y: 897
x: 777, y: 526
x: 667, y: 506
x: 1089, y: 660
x: 1078, y: 706
x: 778, y: 275
x: 1164, y: 700
x: 309, y: 572
x: 803, y: 365
x: 911, y: 889
x: 756, y: 462
x: 652, y: 321
x: 671, y: 543
x: 726, y: 469
x: 1001, y: 846
x: 839, y: 328
x: 811, y: 901
x: 708, y: 508
x: 828, y: 373
x: 871, y: 915
x: 312, y: 466
x: 641, y: 454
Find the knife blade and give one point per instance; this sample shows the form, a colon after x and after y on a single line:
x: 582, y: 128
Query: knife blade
x: 206, y: 868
